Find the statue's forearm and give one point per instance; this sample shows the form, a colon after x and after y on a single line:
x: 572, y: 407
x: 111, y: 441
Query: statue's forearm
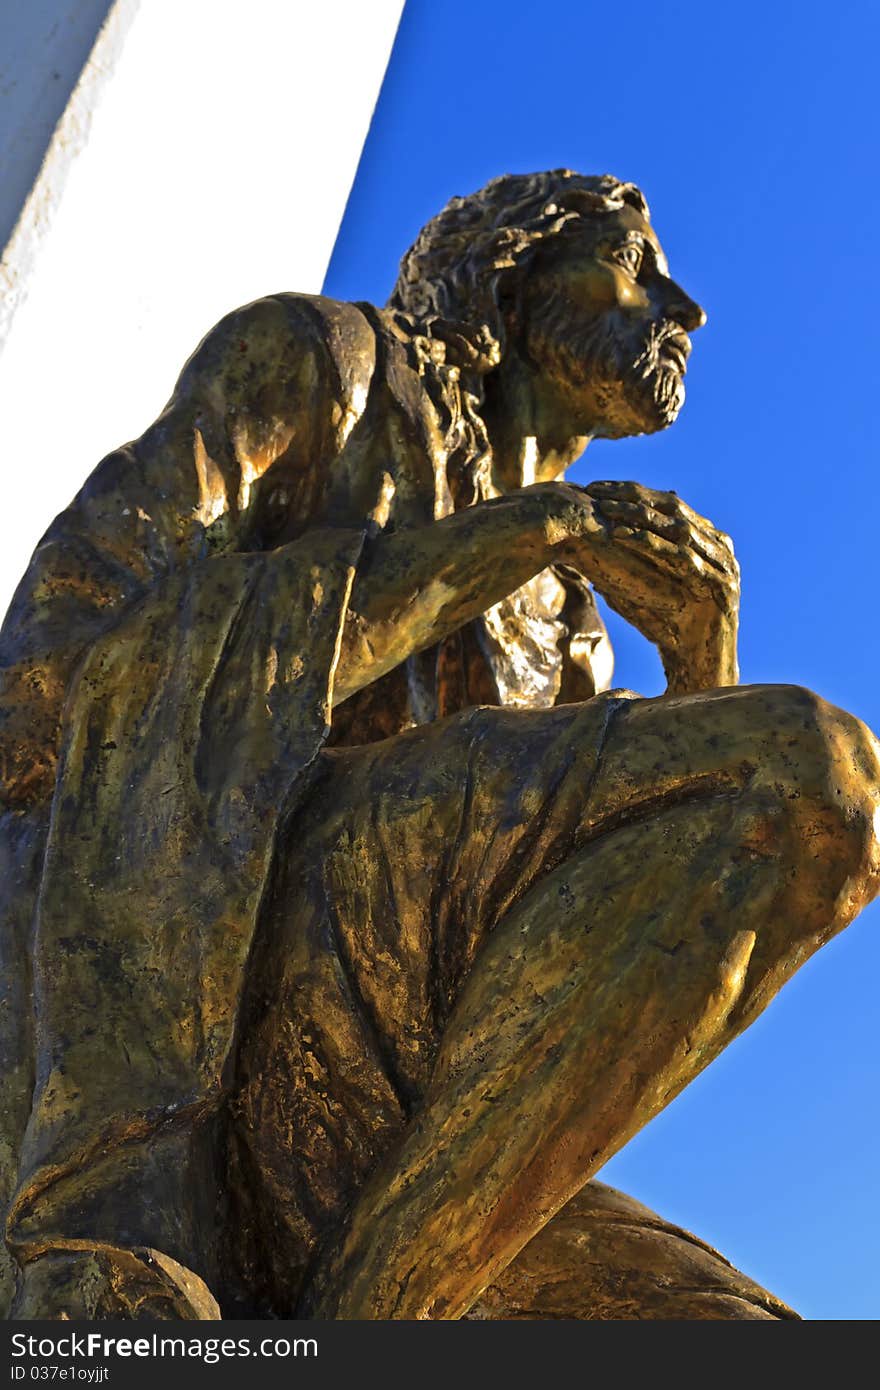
x: 419, y: 585
x: 422, y: 584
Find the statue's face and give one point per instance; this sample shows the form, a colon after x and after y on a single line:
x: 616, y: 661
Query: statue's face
x: 602, y: 319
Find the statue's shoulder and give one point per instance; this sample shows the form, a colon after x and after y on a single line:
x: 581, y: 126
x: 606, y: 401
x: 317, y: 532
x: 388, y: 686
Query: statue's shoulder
x: 295, y: 338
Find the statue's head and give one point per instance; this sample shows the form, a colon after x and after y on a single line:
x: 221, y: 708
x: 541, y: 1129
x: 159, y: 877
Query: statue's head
x: 565, y: 271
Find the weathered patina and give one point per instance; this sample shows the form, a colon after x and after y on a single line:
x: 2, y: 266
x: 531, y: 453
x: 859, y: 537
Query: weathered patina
x: 350, y: 922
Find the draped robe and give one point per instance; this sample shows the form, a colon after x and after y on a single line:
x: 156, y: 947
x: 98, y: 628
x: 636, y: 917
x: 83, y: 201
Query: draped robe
x: 166, y: 679
x: 165, y: 683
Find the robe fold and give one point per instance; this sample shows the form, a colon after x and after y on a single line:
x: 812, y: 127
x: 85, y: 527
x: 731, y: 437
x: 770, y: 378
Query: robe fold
x: 165, y: 684
x: 185, y: 736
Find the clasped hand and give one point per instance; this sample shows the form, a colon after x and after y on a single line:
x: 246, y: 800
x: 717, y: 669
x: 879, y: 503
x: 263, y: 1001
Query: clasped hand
x: 666, y: 570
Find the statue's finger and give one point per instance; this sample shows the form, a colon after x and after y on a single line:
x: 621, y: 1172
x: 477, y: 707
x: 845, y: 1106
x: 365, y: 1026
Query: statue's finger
x: 640, y: 515
x: 625, y: 491
x: 673, y: 529
x: 688, y: 529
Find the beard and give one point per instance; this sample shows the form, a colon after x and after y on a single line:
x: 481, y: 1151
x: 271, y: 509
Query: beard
x: 618, y: 367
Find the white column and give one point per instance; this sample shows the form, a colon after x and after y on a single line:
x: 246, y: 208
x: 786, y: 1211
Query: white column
x: 213, y: 151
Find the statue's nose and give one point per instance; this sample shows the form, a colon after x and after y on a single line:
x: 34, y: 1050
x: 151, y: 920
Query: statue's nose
x: 684, y: 310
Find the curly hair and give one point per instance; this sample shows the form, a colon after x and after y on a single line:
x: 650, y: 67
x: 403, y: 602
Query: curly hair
x: 454, y: 279
x: 460, y: 263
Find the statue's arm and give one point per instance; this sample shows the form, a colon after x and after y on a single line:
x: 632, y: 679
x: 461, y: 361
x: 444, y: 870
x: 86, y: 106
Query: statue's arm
x: 418, y: 585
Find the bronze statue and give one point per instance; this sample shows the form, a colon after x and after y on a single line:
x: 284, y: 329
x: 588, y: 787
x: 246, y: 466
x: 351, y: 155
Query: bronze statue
x: 350, y: 922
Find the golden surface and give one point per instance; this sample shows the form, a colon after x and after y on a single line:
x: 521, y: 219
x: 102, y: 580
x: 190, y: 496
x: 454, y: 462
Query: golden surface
x: 607, y: 1257
x: 329, y: 982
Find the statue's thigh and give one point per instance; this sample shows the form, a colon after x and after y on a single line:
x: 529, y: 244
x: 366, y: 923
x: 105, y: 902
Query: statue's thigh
x: 782, y: 738
x: 406, y: 871
x: 386, y: 881
x: 719, y: 838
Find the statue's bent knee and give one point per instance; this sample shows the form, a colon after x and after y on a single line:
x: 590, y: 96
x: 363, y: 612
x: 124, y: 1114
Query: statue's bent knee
x: 811, y: 794
x: 825, y: 766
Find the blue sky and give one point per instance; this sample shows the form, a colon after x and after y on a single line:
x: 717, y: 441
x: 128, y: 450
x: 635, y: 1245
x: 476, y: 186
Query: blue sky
x: 752, y: 129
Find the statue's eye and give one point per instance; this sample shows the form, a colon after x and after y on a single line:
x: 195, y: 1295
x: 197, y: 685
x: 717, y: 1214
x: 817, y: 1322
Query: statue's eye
x: 629, y: 256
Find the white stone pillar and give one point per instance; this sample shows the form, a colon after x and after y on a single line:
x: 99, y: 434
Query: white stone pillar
x: 203, y: 159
